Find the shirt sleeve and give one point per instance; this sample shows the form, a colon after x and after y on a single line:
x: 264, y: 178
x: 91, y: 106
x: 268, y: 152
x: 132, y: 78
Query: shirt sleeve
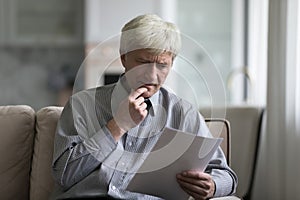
x: 224, y: 177
x: 79, y: 145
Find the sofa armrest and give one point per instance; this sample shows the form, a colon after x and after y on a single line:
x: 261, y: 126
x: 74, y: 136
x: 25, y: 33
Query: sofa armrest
x: 16, y: 144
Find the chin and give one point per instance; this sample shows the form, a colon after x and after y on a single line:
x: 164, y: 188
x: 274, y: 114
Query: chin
x: 149, y: 94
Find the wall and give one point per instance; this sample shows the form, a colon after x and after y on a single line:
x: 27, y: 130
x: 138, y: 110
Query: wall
x: 41, y: 48
x: 30, y: 75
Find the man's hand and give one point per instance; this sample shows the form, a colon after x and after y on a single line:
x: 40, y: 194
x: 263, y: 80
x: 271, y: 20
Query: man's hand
x: 197, y: 184
x: 130, y: 113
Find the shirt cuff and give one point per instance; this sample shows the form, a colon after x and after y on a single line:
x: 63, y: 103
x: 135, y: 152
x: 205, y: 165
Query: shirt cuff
x: 223, y: 186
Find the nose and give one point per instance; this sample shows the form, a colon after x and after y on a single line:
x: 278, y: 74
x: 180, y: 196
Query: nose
x: 151, y: 72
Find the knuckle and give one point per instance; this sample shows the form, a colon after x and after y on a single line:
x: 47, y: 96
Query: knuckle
x: 130, y: 99
x: 136, y: 107
x: 141, y: 112
x: 205, y: 193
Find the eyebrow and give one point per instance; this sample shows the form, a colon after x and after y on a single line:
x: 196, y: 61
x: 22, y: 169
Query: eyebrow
x: 150, y: 61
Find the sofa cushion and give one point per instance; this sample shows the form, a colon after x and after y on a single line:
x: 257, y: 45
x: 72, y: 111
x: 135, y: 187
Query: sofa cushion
x: 16, y: 144
x: 41, y: 177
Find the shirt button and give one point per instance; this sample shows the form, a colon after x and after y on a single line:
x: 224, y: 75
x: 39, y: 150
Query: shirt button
x: 113, y: 187
x: 130, y: 144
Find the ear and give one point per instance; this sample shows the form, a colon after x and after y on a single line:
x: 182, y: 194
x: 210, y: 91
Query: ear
x: 123, y: 60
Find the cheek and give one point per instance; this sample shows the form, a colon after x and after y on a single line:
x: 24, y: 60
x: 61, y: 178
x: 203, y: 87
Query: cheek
x: 163, y: 75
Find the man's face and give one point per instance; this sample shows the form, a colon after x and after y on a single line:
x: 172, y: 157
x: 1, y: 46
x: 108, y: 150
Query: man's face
x: 145, y: 69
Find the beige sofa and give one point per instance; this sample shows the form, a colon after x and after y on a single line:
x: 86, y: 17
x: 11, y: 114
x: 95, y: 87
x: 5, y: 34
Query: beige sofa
x: 26, y: 151
x: 26, y: 148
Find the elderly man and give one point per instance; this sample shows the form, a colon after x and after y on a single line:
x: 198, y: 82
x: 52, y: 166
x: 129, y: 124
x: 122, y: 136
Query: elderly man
x: 103, y: 131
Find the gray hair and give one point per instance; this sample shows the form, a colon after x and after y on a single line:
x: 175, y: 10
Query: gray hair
x: 150, y: 32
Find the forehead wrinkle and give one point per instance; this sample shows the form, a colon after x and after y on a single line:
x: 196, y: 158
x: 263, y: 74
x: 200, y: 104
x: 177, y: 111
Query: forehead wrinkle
x: 160, y: 59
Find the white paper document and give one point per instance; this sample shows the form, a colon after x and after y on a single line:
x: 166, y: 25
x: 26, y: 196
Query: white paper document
x: 174, y: 152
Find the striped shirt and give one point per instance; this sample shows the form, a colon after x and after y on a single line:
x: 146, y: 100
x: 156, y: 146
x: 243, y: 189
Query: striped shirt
x: 88, y: 162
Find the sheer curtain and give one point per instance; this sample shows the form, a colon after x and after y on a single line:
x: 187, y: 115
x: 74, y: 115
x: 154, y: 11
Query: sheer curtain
x: 278, y: 174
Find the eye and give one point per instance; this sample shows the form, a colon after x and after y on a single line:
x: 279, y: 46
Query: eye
x: 142, y: 61
x: 162, y: 65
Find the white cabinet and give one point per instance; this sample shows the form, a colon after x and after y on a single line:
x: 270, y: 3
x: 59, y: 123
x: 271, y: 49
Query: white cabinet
x: 34, y: 22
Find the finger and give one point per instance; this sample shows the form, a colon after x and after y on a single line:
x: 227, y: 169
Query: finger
x: 139, y: 101
x: 136, y: 93
x: 138, y: 104
x: 196, y: 174
x: 194, y: 191
x: 200, y: 183
x: 195, y: 181
x: 143, y: 106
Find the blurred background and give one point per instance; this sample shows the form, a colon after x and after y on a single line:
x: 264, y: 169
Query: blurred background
x: 41, y: 48
x: 43, y: 44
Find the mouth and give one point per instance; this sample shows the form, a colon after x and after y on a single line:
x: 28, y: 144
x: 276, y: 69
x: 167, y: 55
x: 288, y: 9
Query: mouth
x: 148, y: 86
